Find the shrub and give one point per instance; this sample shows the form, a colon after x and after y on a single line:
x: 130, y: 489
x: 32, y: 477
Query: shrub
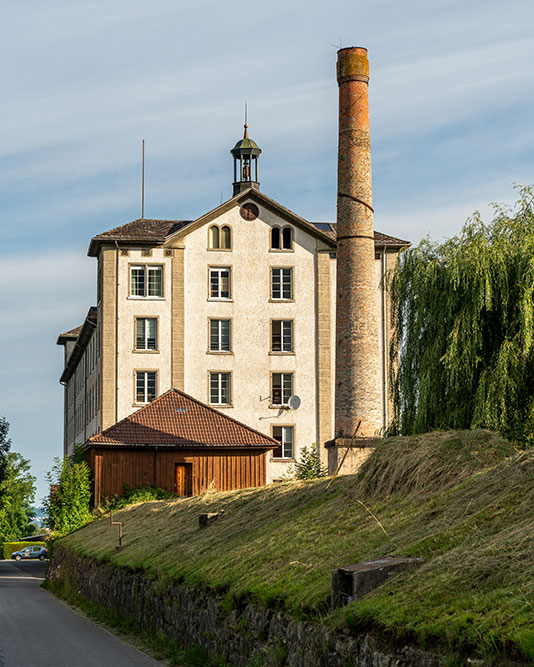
x: 67, y: 504
x: 308, y: 466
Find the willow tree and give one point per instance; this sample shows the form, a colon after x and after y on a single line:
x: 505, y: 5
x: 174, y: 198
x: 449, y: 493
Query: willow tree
x: 463, y: 315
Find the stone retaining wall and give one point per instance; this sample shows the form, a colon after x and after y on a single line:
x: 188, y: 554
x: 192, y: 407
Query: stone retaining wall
x: 249, y: 635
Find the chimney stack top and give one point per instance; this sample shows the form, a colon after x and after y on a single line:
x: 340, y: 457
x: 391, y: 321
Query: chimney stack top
x: 352, y: 65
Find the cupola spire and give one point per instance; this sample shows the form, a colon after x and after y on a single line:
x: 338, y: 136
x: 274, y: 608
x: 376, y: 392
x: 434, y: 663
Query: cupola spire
x: 245, y: 154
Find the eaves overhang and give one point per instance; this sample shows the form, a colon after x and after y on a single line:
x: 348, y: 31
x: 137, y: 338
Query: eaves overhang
x: 79, y: 347
x: 138, y: 232
x: 198, y: 445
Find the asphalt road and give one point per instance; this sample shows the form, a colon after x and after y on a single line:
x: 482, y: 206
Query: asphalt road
x: 37, y: 630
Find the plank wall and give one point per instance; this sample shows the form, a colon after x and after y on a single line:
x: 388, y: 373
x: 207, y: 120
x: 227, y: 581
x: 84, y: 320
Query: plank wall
x: 225, y: 469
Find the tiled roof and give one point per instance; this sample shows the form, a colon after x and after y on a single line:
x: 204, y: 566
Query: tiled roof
x: 386, y: 239
x: 72, y: 333
x: 175, y: 418
x: 143, y: 229
x: 157, y: 231
x: 330, y: 228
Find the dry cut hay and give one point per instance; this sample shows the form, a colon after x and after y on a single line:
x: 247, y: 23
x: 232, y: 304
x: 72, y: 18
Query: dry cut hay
x: 430, y: 463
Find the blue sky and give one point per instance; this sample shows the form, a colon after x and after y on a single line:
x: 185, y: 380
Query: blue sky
x: 452, y: 99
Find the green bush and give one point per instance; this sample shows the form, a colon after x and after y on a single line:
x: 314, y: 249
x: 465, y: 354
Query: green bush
x: 308, y: 466
x: 67, y: 504
x: 9, y: 547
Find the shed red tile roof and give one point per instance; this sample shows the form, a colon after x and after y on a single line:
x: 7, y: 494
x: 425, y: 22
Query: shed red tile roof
x: 175, y: 418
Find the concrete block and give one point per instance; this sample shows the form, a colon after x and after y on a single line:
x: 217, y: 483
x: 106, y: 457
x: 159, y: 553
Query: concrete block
x: 352, y: 582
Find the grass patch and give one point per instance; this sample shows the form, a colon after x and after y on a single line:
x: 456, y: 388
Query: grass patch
x: 461, y: 500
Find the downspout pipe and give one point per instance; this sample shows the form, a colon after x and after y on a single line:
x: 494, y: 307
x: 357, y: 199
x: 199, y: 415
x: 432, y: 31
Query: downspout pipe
x: 385, y: 351
x: 116, y: 332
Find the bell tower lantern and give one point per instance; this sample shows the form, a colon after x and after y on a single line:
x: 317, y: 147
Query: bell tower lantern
x: 245, y: 153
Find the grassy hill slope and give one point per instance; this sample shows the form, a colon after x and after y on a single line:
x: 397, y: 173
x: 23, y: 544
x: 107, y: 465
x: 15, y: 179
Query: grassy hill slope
x: 463, y: 501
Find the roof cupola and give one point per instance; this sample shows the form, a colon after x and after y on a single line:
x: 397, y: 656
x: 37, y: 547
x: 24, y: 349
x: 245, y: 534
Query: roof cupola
x: 245, y: 153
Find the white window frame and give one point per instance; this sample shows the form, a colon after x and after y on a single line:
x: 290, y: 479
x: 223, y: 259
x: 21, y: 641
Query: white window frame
x: 286, y: 440
x: 147, y: 269
x: 282, y: 282
x: 146, y: 347
x: 145, y: 377
x: 216, y: 382
x: 215, y: 335
x: 218, y: 271
x: 286, y: 336
x: 286, y: 388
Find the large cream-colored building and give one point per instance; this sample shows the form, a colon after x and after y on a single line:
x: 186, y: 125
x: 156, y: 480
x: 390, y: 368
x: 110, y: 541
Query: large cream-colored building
x: 236, y: 308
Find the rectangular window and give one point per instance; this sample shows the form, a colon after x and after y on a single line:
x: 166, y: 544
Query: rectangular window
x: 285, y: 436
x: 282, y: 336
x: 281, y: 284
x: 146, y: 333
x: 145, y: 386
x: 220, y: 336
x: 220, y: 389
x: 282, y: 388
x: 220, y: 282
x: 146, y: 280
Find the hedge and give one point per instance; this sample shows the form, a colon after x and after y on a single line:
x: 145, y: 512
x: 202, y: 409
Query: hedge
x: 9, y: 547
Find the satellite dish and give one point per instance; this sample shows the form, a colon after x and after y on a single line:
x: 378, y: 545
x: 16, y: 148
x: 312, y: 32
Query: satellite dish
x: 293, y: 402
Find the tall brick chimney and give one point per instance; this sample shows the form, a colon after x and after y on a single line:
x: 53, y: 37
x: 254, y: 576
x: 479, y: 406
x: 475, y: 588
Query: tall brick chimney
x: 357, y: 351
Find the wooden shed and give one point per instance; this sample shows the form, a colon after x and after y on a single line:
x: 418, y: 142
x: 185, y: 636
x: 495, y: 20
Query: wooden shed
x: 179, y: 444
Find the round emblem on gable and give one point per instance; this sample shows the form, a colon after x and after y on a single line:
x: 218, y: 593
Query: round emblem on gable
x: 249, y: 211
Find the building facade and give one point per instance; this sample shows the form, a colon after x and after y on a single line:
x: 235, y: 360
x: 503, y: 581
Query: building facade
x: 236, y: 308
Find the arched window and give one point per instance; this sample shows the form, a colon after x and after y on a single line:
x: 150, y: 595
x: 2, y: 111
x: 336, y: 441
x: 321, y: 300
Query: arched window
x: 287, y: 238
x: 213, y: 237
x: 220, y: 238
x: 226, y: 238
x: 275, y: 238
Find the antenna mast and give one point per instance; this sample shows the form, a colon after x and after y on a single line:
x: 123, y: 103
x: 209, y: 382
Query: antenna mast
x: 143, y: 184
